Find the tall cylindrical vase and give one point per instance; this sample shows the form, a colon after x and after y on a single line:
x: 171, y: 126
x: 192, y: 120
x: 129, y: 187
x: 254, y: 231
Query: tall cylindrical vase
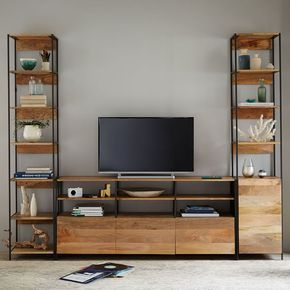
x: 33, y: 206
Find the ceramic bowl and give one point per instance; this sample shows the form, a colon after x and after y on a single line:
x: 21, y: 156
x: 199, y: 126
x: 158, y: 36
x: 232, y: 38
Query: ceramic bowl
x: 28, y: 63
x: 143, y: 192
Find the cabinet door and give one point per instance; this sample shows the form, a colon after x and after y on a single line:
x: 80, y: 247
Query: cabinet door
x: 260, y: 215
x: 85, y: 235
x: 145, y: 235
x: 205, y: 235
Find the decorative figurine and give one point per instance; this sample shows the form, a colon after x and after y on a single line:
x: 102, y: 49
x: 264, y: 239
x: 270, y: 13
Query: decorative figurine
x: 107, y: 191
x: 270, y: 66
x: 24, y: 207
x: 262, y: 173
x: 263, y: 131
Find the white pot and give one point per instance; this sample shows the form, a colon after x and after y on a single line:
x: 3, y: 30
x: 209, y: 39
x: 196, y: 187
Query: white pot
x: 45, y: 66
x: 32, y: 133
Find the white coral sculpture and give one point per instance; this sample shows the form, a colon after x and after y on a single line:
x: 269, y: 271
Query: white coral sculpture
x: 263, y: 131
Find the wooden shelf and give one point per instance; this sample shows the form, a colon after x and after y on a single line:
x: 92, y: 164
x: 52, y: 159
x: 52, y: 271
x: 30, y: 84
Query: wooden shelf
x: 68, y: 215
x: 41, y: 218
x: 252, y: 77
x: 114, y: 178
x: 65, y: 197
x: 145, y: 215
x: 205, y: 197
x: 23, y: 76
x: 161, y: 197
x: 36, y: 148
x: 34, y: 183
x: 222, y: 216
x: 34, y: 42
x: 255, y: 147
x: 257, y: 35
x: 28, y: 251
x: 254, y: 112
x: 34, y: 113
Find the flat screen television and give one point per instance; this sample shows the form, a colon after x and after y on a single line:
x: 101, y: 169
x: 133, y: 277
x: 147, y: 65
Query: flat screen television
x: 145, y: 145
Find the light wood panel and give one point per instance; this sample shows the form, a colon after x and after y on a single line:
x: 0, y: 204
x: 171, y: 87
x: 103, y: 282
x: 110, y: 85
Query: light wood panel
x: 34, y: 113
x: 37, y: 43
x: 23, y: 77
x: 255, y: 147
x: 254, y: 112
x: 65, y: 197
x: 85, y: 235
x: 260, y: 230
x: 205, y: 235
x: 252, y: 77
x: 257, y: 35
x: 36, y: 148
x: 145, y: 235
x: 253, y: 43
x: 41, y: 218
x: 27, y: 251
x: 204, y: 197
x: 34, y: 183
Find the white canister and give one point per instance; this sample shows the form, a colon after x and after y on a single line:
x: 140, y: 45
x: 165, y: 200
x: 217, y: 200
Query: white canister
x: 256, y: 62
x: 32, y: 133
x: 45, y: 66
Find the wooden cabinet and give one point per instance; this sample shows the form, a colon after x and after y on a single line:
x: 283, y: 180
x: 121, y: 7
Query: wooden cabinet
x: 260, y: 228
x: 145, y: 235
x: 85, y: 235
x: 205, y: 235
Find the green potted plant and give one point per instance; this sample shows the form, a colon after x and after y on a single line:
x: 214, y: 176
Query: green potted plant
x: 45, y: 55
x: 32, y: 129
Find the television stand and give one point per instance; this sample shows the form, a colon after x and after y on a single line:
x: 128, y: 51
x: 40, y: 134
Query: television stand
x: 145, y: 175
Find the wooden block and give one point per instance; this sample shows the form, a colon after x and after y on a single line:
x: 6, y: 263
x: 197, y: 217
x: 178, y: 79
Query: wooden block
x: 205, y: 235
x: 253, y: 43
x: 32, y: 113
x: 34, y: 44
x: 260, y: 229
x: 145, y: 235
x: 85, y: 235
x: 253, y: 112
x: 36, y: 148
x: 254, y: 148
x: 23, y: 79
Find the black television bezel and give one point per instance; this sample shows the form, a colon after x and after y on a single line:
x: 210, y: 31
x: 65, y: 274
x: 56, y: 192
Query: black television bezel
x: 145, y: 172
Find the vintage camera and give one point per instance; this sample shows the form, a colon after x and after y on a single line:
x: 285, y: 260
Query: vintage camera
x: 75, y: 192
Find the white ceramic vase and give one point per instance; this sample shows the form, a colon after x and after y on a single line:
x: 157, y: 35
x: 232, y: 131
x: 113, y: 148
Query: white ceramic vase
x: 45, y: 66
x: 33, y: 206
x: 32, y: 133
x: 256, y: 62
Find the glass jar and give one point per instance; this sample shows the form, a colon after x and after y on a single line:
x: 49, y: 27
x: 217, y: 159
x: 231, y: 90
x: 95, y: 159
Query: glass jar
x: 32, y: 86
x: 248, y: 168
x: 262, y: 92
x: 244, y: 59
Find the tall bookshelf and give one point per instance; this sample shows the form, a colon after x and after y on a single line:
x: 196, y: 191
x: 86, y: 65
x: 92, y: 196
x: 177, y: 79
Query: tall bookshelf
x: 18, y: 79
x: 257, y: 233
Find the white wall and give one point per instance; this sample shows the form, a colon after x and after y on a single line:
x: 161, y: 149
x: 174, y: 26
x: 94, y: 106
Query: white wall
x: 136, y: 58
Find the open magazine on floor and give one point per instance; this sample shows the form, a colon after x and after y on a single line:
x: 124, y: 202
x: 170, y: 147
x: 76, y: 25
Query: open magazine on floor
x: 98, y: 271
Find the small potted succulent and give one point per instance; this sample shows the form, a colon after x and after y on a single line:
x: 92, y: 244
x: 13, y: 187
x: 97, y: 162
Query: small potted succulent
x: 45, y: 55
x: 32, y: 129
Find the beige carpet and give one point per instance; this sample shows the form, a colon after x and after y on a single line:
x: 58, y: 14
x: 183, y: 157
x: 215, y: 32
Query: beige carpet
x: 154, y: 273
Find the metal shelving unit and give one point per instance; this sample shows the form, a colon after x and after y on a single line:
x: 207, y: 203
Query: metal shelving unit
x: 18, y: 45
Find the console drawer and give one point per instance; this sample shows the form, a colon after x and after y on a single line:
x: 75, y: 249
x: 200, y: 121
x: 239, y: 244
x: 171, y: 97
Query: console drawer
x: 145, y: 235
x: 85, y: 235
x: 205, y: 235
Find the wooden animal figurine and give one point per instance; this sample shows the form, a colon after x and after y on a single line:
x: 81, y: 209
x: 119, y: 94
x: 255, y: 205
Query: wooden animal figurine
x: 107, y: 191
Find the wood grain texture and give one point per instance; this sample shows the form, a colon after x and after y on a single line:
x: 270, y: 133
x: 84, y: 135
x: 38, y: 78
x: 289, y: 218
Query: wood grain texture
x: 41, y: 218
x: 204, y: 197
x: 24, y: 251
x: 257, y: 35
x: 36, y: 148
x: 248, y: 77
x: 85, y: 235
x: 254, y: 112
x: 205, y: 235
x: 34, y: 183
x: 27, y: 44
x: 253, y: 43
x: 46, y: 78
x: 145, y: 235
x: 255, y: 147
x: 260, y: 229
x: 35, y: 113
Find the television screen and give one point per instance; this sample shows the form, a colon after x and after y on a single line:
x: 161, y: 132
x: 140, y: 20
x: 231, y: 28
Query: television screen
x: 145, y: 144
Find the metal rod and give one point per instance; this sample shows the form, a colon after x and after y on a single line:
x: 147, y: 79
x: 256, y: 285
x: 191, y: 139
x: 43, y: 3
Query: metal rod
x: 174, y: 201
x: 274, y: 101
x: 116, y: 199
x: 232, y: 106
x: 9, y: 144
x: 237, y: 159
x: 281, y: 135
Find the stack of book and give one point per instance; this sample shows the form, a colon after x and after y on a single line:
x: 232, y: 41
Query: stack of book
x: 88, y: 210
x: 35, y: 173
x: 256, y: 104
x: 199, y: 211
x: 33, y: 101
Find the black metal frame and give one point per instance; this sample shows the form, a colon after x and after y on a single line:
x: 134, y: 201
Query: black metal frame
x: 13, y: 164
x: 234, y: 120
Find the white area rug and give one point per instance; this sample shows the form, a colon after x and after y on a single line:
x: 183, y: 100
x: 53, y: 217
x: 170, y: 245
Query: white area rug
x: 151, y: 274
